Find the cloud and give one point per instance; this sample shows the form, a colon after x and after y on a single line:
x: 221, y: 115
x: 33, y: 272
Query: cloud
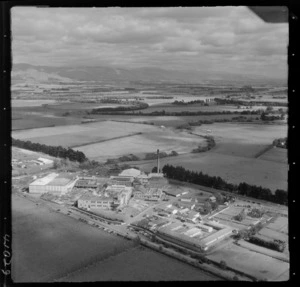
x: 207, y: 38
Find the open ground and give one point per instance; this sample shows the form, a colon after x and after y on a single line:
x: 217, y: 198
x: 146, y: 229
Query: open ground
x: 136, y: 138
x: 253, y: 263
x: 140, y: 265
x: 234, y: 169
x: 44, y: 251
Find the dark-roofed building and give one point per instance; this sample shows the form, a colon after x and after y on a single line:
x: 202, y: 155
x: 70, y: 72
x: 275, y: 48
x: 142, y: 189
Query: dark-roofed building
x: 87, y: 182
x: 120, y: 180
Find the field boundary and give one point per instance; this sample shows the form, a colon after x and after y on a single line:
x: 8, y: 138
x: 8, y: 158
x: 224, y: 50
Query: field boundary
x: 101, y: 141
x: 49, y: 126
x: 93, y: 262
x: 266, y: 149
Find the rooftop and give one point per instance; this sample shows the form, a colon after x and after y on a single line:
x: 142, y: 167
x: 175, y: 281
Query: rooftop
x: 59, y: 181
x: 130, y: 172
x: 121, y: 178
x: 174, y: 191
x: 45, y: 180
x: 95, y: 197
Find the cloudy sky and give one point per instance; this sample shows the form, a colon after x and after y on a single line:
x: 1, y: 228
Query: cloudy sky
x: 194, y: 38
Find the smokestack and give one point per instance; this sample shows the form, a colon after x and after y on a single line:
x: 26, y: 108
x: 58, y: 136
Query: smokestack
x: 158, y: 161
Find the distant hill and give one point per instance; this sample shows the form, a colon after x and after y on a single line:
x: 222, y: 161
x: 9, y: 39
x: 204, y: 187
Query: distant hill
x: 26, y: 72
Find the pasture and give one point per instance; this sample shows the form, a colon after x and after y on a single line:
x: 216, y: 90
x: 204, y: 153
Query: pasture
x: 29, y: 120
x: 124, y: 138
x: 245, y: 140
x: 30, y: 103
x: 163, y: 139
x: 276, y: 154
x: 233, y: 169
x: 47, y: 245
x: 258, y: 265
x: 74, y: 135
x: 140, y: 264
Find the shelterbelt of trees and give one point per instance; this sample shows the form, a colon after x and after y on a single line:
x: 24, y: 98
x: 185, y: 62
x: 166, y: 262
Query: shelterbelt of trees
x: 248, y: 103
x: 56, y: 151
x: 133, y: 107
x: 182, y: 113
x: 180, y: 173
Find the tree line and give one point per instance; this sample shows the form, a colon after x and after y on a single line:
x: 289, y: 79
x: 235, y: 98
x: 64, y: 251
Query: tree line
x: 169, y: 113
x: 56, y: 151
x: 248, y: 103
x: 180, y: 173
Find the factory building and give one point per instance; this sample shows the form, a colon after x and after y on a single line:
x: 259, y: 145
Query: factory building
x: 53, y: 183
x: 89, y: 202
x: 150, y: 194
x: 121, y: 194
x: 87, y: 182
x: 121, y: 180
x: 205, y: 228
x: 193, y: 216
x: 131, y: 172
x: 175, y: 192
x: 45, y: 160
x: 215, y: 237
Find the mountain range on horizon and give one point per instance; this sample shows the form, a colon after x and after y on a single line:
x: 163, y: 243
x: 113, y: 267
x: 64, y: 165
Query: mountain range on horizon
x: 31, y: 73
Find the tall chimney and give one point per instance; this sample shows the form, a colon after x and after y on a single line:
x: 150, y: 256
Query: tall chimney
x: 158, y: 161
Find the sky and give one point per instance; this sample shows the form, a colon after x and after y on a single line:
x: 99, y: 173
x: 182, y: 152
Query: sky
x: 223, y: 39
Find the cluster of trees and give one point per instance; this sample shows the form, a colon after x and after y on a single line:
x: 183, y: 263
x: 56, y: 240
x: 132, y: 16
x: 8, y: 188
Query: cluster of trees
x: 158, y: 97
x: 56, y: 151
x: 282, y: 142
x: 238, y: 118
x: 180, y: 173
x: 241, y: 216
x: 183, y: 103
x: 210, y: 144
x: 256, y: 213
x: 247, y: 233
x: 276, y: 244
x: 135, y: 106
x: 221, y: 101
x: 267, y: 117
x: 130, y: 157
x: 163, y: 154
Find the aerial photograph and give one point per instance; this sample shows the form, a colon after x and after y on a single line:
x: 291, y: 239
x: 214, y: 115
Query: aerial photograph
x: 149, y: 144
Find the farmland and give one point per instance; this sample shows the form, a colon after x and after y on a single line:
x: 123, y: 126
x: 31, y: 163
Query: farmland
x: 234, y: 156
x: 43, y: 249
x: 276, y: 155
x: 140, y: 138
x: 234, y: 169
x: 30, y: 103
x: 140, y: 265
x: 244, y: 140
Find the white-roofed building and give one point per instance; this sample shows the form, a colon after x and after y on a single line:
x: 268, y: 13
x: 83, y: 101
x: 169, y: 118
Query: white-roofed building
x: 131, y: 172
x: 45, y: 160
x: 53, y: 183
